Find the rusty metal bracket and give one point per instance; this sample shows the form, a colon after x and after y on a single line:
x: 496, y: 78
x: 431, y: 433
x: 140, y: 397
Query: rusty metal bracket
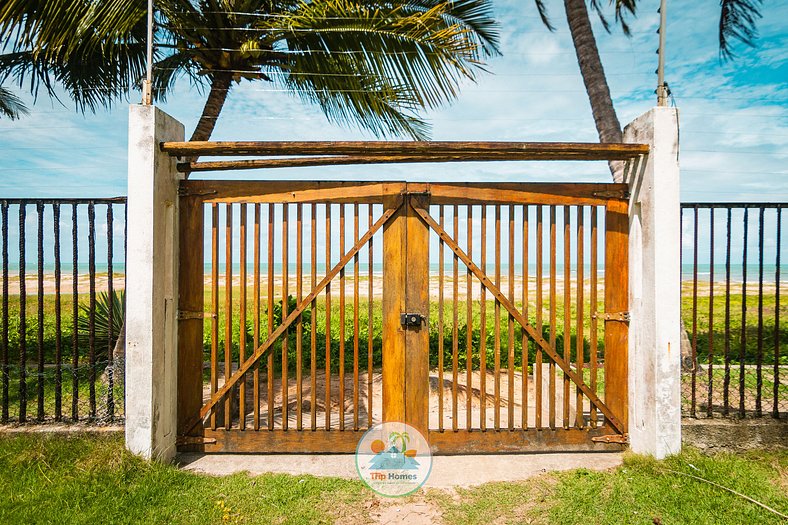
x: 186, y: 314
x: 614, y: 194
x: 194, y: 440
x: 622, y: 317
x: 621, y: 439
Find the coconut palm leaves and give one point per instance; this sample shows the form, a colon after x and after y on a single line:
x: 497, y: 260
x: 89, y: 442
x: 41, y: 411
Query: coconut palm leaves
x: 369, y: 63
x: 737, y: 23
x: 10, y: 105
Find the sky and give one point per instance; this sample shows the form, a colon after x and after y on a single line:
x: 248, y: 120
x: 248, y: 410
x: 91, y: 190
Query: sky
x: 733, y: 115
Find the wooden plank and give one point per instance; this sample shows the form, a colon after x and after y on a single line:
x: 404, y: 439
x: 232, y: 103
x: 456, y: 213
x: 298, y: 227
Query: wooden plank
x: 593, y: 308
x: 270, y: 301
x: 441, y: 313
x: 561, y: 150
x: 373, y: 192
x: 580, y: 308
x: 524, y: 355
x: 190, y: 298
x: 518, y: 441
x: 299, y: 325
x: 510, y: 356
x: 228, y: 310
x: 442, y: 443
x: 370, y: 318
x: 313, y: 319
x: 539, y: 306
x: 214, y: 305
x: 242, y: 319
x: 553, y: 327
x: 342, y: 285
x: 285, y: 297
x: 327, y: 425
x: 394, y: 275
x: 417, y: 340
x: 483, y: 329
x: 567, y: 308
x: 497, y: 321
x: 256, y: 336
x: 455, y: 344
x: 616, y: 300
x: 355, y: 321
x: 469, y: 322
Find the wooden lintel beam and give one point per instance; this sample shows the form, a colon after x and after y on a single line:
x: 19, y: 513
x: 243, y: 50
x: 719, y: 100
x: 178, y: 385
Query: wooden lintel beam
x: 558, y: 150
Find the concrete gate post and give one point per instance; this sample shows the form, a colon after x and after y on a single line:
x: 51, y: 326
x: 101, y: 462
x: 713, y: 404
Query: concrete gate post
x: 151, y: 285
x: 655, y: 287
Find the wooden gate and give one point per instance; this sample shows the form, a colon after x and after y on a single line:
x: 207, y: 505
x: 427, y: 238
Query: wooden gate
x: 475, y: 312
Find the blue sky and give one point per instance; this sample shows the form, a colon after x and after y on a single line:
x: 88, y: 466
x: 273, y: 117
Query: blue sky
x: 734, y: 116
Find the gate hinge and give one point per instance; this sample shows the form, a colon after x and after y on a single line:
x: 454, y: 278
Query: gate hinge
x: 614, y: 194
x: 621, y: 439
x: 186, y: 314
x: 614, y: 316
x: 194, y: 440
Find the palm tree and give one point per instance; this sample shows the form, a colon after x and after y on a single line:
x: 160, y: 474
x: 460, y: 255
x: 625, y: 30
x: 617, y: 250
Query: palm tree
x: 737, y: 23
x: 10, y: 105
x: 369, y: 63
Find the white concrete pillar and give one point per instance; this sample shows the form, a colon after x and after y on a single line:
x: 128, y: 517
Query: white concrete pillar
x: 151, y: 285
x: 655, y: 287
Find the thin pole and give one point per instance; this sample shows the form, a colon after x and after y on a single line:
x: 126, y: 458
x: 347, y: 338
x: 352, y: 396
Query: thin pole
x: 147, y: 86
x: 662, y: 87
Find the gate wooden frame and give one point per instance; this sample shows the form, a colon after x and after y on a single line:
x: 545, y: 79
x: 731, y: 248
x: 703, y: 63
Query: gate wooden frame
x: 407, y: 225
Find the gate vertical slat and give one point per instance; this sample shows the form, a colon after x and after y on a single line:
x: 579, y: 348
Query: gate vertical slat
x: 328, y: 318
x: 342, y: 284
x: 370, y: 320
x: 694, y: 310
x: 616, y: 300
x: 567, y: 309
x: 483, y: 329
x: 270, y: 317
x: 285, y: 301
x: 313, y: 315
x: 110, y: 294
x: 454, y: 330
x: 497, y: 313
x: 356, y: 321
x: 553, y: 328
x: 510, y: 356
x: 524, y: 338
x: 441, y: 253
x: 228, y: 310
x: 242, y: 317
x: 593, y: 310
x: 256, y: 307
x: 743, y: 340
x: 539, y: 324
x: 214, y: 306
x: 580, y: 302
x: 469, y: 323
x: 727, y: 378
x: 759, y: 356
x: 299, y: 326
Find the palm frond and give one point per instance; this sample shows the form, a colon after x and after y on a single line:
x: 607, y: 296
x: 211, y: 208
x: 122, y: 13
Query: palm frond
x: 541, y: 8
x: 11, y: 106
x: 738, y: 19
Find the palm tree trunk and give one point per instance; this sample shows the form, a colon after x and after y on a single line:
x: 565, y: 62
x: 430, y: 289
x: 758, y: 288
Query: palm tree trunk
x: 605, y: 118
x: 220, y: 87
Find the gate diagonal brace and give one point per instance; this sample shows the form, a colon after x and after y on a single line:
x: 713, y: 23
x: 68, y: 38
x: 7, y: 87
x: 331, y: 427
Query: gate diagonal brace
x: 295, y: 314
x: 504, y: 301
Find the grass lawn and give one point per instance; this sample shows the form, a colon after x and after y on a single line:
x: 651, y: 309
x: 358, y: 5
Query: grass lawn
x: 90, y: 479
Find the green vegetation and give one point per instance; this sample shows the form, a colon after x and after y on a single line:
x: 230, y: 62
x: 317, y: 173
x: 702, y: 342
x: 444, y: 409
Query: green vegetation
x: 84, y: 479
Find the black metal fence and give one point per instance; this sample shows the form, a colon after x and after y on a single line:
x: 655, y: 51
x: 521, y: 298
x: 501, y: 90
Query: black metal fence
x: 63, y: 278
x: 736, y: 352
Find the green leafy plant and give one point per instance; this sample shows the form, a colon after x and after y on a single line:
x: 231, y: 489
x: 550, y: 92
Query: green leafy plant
x: 116, y: 303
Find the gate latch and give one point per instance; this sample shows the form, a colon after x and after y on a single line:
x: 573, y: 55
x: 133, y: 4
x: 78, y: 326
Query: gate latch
x: 615, y: 316
x: 412, y: 320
